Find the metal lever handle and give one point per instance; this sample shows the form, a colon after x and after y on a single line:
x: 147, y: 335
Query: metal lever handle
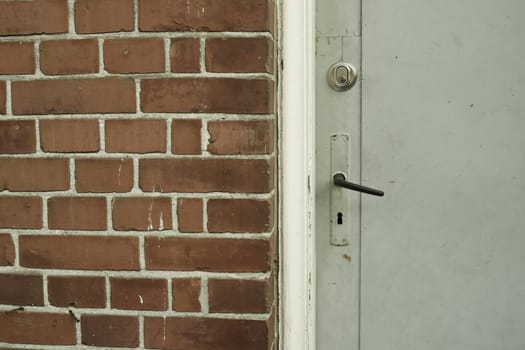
x: 340, y: 180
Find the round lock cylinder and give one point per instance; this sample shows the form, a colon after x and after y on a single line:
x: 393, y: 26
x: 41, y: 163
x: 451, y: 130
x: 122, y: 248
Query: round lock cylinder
x: 342, y: 76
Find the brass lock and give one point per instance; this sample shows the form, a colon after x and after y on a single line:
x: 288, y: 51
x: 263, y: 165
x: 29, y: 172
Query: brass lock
x: 342, y: 76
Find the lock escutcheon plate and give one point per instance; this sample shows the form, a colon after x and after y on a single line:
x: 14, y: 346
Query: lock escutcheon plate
x: 342, y: 76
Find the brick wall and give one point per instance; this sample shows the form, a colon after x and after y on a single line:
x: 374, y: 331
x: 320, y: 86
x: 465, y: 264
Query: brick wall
x: 137, y: 177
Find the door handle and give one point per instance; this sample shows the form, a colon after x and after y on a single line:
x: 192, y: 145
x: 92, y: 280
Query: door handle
x: 340, y: 180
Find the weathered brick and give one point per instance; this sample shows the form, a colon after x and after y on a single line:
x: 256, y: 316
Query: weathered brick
x: 142, y: 213
x: 2, y: 97
x: 69, y: 56
x: 17, y: 136
x: 79, y: 252
x: 241, y: 137
x: 186, y: 136
x: 104, y: 175
x: 69, y: 135
x: 20, y: 174
x: 139, y: 294
x: 134, y: 55
x: 104, y: 16
x: 239, y: 215
x: 240, y: 296
x: 205, y: 175
x: 37, y: 328
x: 241, y: 55
x: 108, y: 95
x: 77, y: 291
x: 77, y: 213
x: 20, y: 212
x: 204, y: 15
x: 33, y: 17
x: 189, y: 213
x: 207, y: 254
x: 205, y: 333
x: 17, y: 57
x: 7, y: 250
x: 19, y: 289
x: 207, y: 95
x: 136, y: 136
x: 185, y: 55
x: 186, y: 294
x: 108, y: 330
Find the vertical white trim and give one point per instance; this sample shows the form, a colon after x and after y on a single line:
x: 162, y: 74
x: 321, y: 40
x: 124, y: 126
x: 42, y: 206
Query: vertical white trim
x: 297, y: 141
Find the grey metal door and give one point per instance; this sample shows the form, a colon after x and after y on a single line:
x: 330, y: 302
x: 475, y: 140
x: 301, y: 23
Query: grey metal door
x: 438, y: 123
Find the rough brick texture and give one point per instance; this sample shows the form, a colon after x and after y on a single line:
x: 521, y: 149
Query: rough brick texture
x: 239, y: 55
x: 33, y: 17
x: 92, y: 16
x: 69, y: 135
x: 186, y: 293
x: 17, y: 57
x: 139, y: 294
x: 77, y: 291
x: 134, y: 55
x: 104, y: 175
x: 205, y: 334
x: 7, y: 250
x: 207, y: 95
x: 137, y: 174
x: 17, y: 136
x: 69, y: 56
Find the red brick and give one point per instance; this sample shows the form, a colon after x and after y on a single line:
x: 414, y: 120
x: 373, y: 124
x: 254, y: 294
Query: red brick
x: 106, y: 330
x: 21, y: 289
x: 77, y: 213
x: 243, y: 55
x: 104, y: 175
x: 20, y: 212
x: 19, y: 174
x: 7, y: 250
x: 186, y: 294
x: 186, y: 136
x: 240, y: 296
x: 189, y: 213
x: 207, y: 95
x: 104, y: 16
x: 204, y: 15
x: 17, y: 136
x: 241, y: 137
x: 207, y: 254
x: 33, y: 17
x: 64, y: 291
x: 134, y: 55
x: 80, y: 135
x: 108, y: 95
x: 185, y: 55
x: 17, y: 57
x: 37, y: 328
x: 205, y: 175
x: 136, y: 136
x: 139, y: 294
x: 2, y: 97
x: 142, y: 213
x: 239, y: 215
x: 205, y: 333
x: 69, y: 56
x: 79, y: 252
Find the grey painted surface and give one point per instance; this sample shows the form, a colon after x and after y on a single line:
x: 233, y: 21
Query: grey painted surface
x: 443, y: 134
x: 443, y: 258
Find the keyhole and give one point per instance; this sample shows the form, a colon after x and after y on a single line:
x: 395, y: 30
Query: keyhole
x: 339, y: 218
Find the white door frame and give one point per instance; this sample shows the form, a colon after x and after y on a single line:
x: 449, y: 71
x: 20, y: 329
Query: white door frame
x: 297, y: 176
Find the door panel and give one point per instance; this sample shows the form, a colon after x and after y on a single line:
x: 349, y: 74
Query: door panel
x: 438, y: 263
x: 443, y: 134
